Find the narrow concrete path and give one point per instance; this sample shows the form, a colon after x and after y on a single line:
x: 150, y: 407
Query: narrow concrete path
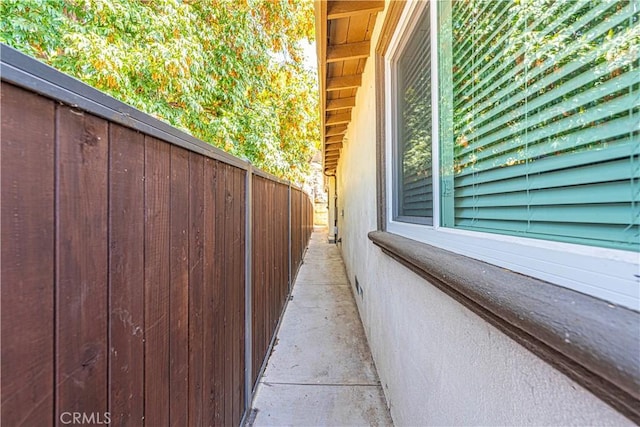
x: 320, y: 372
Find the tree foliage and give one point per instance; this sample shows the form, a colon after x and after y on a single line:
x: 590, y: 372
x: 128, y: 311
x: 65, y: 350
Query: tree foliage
x: 229, y: 72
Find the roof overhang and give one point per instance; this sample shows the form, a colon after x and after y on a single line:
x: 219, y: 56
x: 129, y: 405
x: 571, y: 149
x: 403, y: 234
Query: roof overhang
x: 343, y: 43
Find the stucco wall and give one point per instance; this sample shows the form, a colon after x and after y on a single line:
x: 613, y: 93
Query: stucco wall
x: 439, y: 363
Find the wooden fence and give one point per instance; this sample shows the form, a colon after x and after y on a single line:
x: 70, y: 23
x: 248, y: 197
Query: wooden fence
x: 271, y: 268
x: 143, y: 272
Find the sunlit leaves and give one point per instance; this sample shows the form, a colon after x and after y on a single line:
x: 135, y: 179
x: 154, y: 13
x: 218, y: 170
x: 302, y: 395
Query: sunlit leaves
x: 229, y: 72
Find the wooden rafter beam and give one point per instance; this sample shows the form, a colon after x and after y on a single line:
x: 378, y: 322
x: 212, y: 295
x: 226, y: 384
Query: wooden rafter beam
x: 338, y: 119
x: 343, y: 52
x: 344, y: 82
x: 334, y: 146
x: 336, y: 130
x: 332, y: 139
x: 340, y: 103
x: 345, y: 9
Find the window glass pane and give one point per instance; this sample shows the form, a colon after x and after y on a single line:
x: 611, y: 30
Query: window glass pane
x: 540, y: 133
x: 413, y: 115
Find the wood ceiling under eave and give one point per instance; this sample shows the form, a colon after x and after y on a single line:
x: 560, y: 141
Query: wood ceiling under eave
x: 343, y: 34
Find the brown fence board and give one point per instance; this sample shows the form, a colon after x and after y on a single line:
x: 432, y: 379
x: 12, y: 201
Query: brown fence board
x: 81, y: 258
x: 126, y: 274
x: 219, y: 291
x: 27, y: 257
x: 272, y: 284
x: 226, y: 266
x: 157, y: 198
x: 256, y: 270
x: 257, y: 276
x: 179, y: 288
x: 212, y: 324
x: 233, y: 303
x: 239, y: 303
x: 196, y: 280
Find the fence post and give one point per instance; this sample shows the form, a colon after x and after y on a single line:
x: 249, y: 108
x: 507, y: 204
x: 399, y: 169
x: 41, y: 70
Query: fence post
x: 289, y: 242
x: 248, y: 267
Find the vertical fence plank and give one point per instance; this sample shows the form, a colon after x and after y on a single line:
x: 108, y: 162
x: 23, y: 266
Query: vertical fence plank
x: 196, y: 264
x: 211, y: 345
x: 27, y: 257
x: 255, y: 283
x: 269, y: 269
x: 258, y: 298
x: 255, y: 230
x: 209, y: 315
x: 82, y: 262
x: 242, y: 339
x: 227, y: 284
x: 156, y: 310
x: 218, y: 294
x: 235, y: 289
x: 269, y: 253
x: 126, y: 276
x: 284, y: 239
x: 264, y: 278
x: 179, y: 288
x: 247, y: 344
x: 258, y: 275
x: 238, y: 302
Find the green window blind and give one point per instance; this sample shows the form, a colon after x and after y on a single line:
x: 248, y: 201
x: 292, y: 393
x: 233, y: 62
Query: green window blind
x: 539, y: 123
x: 414, y: 201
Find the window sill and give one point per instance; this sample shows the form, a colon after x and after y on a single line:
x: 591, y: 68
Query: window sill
x: 591, y: 341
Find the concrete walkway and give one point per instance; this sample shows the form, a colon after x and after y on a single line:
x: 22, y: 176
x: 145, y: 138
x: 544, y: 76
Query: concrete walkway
x: 320, y: 372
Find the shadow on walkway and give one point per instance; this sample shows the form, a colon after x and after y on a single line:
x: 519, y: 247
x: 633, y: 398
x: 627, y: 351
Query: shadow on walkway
x: 320, y: 372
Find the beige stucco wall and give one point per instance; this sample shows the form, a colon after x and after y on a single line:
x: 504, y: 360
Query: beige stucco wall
x: 439, y: 363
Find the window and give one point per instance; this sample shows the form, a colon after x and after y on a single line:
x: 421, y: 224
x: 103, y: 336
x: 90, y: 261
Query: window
x: 413, y: 126
x: 541, y: 131
x: 528, y: 155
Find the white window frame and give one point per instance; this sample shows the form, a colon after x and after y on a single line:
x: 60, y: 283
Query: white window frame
x: 403, y: 38
x: 609, y: 274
